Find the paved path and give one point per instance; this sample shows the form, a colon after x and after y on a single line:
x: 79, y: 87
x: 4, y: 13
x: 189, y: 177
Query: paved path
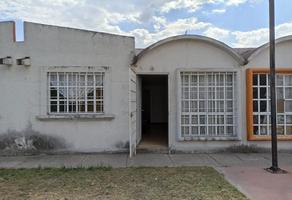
x: 258, y: 184
x: 245, y: 171
x: 147, y: 159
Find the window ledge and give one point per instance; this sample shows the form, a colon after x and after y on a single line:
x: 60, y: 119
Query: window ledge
x: 268, y: 138
x: 194, y: 138
x: 76, y: 117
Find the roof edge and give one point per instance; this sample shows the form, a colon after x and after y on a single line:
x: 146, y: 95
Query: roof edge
x: 75, y: 29
x: 266, y: 45
x: 212, y: 41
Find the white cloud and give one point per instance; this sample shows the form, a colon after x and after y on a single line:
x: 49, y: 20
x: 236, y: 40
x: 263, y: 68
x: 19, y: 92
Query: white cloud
x: 87, y: 14
x: 217, y: 33
x: 235, y: 2
x: 258, y: 37
x: 74, y: 13
x: 159, y: 22
x: 191, y: 5
x: 194, y: 5
x: 284, y: 29
x: 218, y: 11
x: 147, y: 19
x: 144, y: 37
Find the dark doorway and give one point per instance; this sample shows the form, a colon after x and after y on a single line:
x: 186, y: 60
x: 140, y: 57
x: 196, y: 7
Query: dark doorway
x: 154, y: 111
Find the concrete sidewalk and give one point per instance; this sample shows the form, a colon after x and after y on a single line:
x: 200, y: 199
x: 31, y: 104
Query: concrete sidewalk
x: 245, y: 171
x: 218, y: 160
x: 147, y: 159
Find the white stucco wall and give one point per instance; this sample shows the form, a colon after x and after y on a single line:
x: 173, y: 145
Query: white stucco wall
x: 190, y: 55
x: 260, y: 59
x: 23, y: 89
x: 187, y: 55
x: 283, y: 56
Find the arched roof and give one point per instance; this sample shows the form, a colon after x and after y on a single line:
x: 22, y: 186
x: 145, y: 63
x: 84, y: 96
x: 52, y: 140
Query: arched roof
x: 211, y: 41
x: 265, y: 46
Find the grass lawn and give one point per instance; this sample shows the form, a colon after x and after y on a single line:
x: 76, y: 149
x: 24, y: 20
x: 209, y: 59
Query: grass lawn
x: 124, y: 183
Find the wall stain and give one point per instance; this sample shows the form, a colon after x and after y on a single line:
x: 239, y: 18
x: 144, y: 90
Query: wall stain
x: 122, y: 145
x: 29, y: 140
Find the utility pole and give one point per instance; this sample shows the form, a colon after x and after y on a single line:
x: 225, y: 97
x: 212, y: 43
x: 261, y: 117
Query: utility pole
x: 274, y: 168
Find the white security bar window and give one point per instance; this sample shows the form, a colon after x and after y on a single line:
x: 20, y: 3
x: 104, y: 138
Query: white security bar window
x: 207, y: 104
x: 261, y: 104
x: 75, y: 92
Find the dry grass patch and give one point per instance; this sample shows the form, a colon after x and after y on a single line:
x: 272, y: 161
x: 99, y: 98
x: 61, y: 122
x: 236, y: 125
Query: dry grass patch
x: 124, y: 183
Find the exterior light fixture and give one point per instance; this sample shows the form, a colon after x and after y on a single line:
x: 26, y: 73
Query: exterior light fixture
x: 24, y: 61
x: 6, y: 61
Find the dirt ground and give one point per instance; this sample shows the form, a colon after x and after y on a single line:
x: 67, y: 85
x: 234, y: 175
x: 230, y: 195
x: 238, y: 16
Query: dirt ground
x: 122, y: 183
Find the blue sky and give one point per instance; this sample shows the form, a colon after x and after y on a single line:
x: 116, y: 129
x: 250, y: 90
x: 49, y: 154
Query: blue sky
x: 238, y: 23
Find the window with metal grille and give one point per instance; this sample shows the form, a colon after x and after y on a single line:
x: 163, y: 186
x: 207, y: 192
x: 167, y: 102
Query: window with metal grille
x: 261, y: 104
x: 75, y: 92
x: 207, y: 104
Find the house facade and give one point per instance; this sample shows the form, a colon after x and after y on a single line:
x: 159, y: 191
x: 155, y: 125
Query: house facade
x: 94, y: 92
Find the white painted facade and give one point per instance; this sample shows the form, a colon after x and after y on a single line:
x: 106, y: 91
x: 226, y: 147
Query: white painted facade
x: 24, y: 92
x: 189, y: 54
x: 24, y: 89
x: 196, y: 54
x: 260, y: 59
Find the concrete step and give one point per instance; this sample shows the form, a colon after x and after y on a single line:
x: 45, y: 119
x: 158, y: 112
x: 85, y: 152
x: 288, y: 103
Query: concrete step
x: 160, y: 150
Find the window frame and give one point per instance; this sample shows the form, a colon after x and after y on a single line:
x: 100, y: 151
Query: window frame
x: 76, y: 87
x: 249, y: 104
x: 43, y: 113
x: 236, y: 111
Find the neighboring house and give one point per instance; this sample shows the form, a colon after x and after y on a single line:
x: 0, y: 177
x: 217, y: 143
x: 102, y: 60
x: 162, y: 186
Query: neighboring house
x: 95, y: 92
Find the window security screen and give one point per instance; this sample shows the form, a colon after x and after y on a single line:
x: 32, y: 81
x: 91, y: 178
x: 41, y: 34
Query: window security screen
x: 208, y: 104
x: 75, y: 92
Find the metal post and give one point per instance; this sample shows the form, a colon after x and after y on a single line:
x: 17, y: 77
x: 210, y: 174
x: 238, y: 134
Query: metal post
x: 274, y: 168
x: 273, y: 88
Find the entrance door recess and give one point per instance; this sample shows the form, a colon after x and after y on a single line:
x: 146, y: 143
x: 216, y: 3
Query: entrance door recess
x: 154, y: 112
